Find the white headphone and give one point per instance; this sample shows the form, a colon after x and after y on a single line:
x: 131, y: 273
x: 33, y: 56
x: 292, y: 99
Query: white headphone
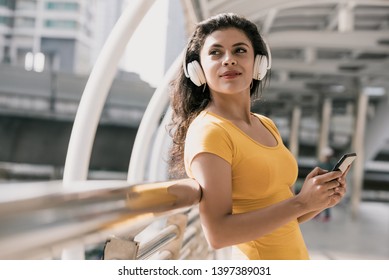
x: 194, y: 71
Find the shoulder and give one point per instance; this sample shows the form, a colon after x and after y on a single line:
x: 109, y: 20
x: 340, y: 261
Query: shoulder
x: 206, y: 124
x: 207, y: 134
x: 207, y: 119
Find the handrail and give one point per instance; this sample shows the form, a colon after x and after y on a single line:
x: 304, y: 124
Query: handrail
x: 165, y: 236
x: 48, y: 217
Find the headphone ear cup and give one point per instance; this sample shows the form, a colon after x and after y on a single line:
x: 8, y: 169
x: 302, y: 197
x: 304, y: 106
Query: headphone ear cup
x: 196, y: 73
x: 260, y: 67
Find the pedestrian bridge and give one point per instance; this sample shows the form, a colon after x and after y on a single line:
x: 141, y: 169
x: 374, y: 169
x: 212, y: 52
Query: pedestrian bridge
x: 147, y: 216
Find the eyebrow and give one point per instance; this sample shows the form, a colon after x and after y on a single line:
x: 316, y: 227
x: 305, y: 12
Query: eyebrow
x: 234, y: 45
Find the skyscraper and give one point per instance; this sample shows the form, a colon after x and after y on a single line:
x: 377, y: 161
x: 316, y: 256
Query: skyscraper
x: 44, y: 34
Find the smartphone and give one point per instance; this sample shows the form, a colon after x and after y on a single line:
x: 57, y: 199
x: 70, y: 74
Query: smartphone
x: 344, y: 162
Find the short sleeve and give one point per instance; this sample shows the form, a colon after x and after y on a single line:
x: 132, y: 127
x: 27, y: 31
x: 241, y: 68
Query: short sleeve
x: 209, y: 138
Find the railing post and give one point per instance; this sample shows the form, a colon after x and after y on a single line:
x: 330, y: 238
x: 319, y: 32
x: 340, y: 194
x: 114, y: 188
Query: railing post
x: 120, y: 249
x: 174, y: 247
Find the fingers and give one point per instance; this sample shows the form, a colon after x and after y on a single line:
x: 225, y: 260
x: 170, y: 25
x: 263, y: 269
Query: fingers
x: 336, y: 195
x: 331, y: 192
x: 340, y: 190
x: 334, y: 199
x: 325, y: 184
x: 328, y: 177
x: 315, y: 172
x: 321, y: 176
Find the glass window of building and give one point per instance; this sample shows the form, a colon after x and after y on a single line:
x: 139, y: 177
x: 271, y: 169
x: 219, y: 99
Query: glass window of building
x: 7, y: 3
x: 62, y: 6
x: 61, y: 24
x: 5, y: 21
x: 25, y: 22
x: 26, y: 5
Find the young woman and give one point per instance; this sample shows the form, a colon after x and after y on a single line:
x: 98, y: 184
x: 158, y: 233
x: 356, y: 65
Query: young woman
x: 237, y: 157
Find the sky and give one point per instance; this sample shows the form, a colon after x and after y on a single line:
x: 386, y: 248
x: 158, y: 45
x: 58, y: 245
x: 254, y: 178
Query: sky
x: 145, y: 54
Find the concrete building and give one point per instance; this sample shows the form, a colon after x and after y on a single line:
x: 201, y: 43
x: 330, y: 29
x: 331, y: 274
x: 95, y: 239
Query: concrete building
x: 48, y: 34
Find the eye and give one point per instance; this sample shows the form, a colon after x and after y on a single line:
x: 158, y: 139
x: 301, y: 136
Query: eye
x: 240, y: 50
x: 214, y: 52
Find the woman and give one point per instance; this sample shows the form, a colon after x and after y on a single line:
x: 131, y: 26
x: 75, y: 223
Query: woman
x: 237, y: 157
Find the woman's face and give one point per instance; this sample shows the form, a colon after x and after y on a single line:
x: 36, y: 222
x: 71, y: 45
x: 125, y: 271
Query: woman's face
x: 227, y: 58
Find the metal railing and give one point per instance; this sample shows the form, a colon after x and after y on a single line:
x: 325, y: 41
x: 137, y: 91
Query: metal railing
x: 113, y: 219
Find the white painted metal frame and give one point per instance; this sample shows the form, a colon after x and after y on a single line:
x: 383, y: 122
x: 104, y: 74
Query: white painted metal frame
x: 149, y: 125
x: 96, y: 91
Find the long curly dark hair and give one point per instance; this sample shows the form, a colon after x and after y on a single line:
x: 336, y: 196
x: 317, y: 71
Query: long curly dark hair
x: 187, y: 99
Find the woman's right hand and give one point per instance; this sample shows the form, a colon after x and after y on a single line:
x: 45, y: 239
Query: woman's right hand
x: 318, y: 188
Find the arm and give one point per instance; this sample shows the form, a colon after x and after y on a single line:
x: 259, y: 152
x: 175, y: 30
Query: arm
x: 308, y: 216
x: 222, y: 228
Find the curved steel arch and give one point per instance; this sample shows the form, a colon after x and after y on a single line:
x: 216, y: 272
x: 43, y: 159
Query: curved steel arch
x: 96, y: 91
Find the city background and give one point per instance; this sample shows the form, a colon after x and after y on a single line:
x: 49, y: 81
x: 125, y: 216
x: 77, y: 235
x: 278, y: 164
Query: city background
x: 47, y: 50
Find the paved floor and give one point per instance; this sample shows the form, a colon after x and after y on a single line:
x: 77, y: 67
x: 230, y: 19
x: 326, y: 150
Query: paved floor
x: 345, y: 238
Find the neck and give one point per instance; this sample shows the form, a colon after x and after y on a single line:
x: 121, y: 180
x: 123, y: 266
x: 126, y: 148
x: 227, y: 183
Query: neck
x: 232, y: 107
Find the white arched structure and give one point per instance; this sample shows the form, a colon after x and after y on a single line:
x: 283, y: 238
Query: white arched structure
x: 148, y: 160
x: 96, y: 91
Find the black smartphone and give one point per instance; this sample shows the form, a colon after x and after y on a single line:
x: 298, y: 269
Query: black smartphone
x: 344, y: 162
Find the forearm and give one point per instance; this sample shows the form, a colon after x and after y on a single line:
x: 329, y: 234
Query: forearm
x: 308, y: 216
x: 232, y: 229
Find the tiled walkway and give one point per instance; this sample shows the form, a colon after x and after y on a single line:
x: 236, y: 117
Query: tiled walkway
x: 344, y: 238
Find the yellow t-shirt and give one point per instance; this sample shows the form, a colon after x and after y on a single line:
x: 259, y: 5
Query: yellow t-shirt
x: 261, y: 176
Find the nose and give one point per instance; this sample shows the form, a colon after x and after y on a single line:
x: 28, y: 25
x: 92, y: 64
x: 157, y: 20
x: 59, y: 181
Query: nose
x: 229, y: 60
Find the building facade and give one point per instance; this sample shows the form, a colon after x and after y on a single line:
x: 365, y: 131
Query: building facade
x: 48, y: 34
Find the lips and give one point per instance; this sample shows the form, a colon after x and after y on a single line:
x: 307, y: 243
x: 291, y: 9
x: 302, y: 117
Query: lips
x: 230, y: 74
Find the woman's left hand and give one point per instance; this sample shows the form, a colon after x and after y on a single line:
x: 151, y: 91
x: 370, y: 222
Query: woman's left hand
x: 339, y: 192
